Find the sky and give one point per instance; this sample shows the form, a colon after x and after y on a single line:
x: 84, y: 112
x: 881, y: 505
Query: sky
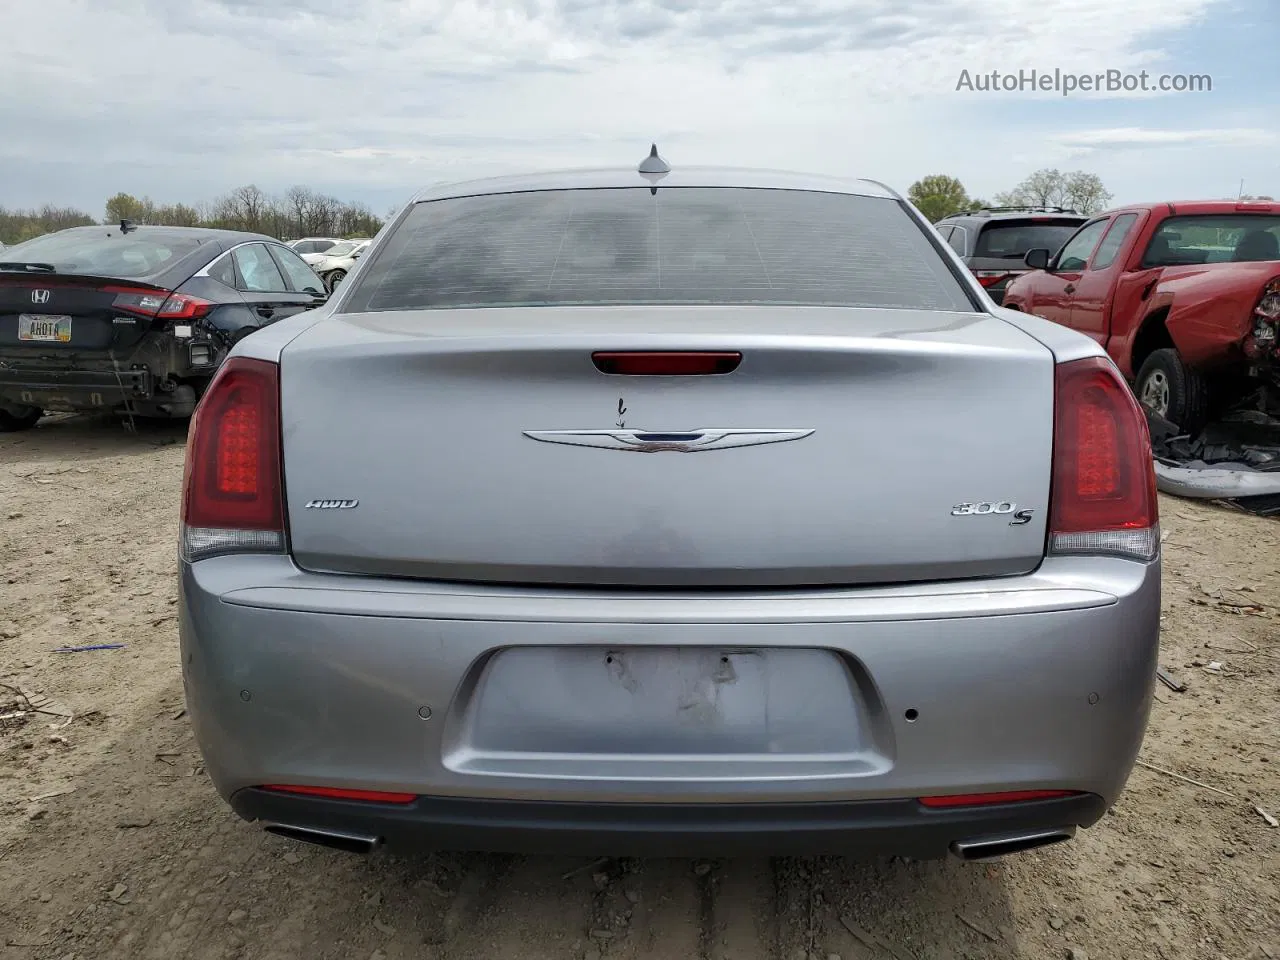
x: 371, y: 100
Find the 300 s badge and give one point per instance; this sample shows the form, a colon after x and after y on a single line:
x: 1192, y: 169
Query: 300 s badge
x: 999, y: 507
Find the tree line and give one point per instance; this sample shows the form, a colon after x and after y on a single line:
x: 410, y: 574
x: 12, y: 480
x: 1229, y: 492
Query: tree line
x: 299, y: 212
x: 939, y: 196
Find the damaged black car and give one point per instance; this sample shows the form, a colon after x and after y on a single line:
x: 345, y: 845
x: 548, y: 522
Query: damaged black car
x: 135, y: 320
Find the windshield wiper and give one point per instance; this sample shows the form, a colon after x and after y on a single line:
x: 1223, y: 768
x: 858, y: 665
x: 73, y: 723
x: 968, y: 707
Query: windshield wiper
x: 29, y: 267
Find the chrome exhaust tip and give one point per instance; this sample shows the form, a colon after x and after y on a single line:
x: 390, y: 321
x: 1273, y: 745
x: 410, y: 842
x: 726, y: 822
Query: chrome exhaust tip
x: 333, y: 839
x: 991, y: 848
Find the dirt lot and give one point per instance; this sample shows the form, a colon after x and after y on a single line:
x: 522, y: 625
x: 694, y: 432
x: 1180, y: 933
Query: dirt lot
x: 113, y: 843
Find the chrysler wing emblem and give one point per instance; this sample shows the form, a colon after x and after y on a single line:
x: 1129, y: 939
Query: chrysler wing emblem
x: 646, y: 441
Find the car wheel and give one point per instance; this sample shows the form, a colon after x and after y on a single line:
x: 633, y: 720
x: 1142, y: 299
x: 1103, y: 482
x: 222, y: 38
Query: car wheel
x: 334, y: 279
x: 15, y: 418
x: 1169, y: 388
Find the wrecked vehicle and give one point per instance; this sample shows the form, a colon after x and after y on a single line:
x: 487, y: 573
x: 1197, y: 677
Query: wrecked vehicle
x: 132, y: 319
x: 1235, y: 459
x: 1185, y: 297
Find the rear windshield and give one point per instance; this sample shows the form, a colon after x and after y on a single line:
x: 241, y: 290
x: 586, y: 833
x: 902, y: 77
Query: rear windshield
x: 103, y: 253
x: 312, y: 246
x: 1233, y: 238
x: 1011, y: 240
x: 680, y: 245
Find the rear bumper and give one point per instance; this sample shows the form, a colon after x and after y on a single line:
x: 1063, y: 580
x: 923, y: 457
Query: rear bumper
x: 858, y: 828
x: 49, y: 387
x: 475, y: 697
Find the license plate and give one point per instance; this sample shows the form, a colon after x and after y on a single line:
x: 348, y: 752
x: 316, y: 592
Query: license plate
x: 41, y: 326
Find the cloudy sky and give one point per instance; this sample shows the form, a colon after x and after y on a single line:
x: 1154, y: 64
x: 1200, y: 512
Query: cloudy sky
x: 182, y: 100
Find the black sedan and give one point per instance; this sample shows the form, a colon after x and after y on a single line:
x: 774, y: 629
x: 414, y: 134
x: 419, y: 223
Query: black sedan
x: 135, y: 319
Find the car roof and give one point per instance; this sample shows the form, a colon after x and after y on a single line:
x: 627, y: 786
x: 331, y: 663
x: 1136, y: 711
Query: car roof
x: 1193, y: 207
x: 988, y: 216
x: 159, y: 232
x: 614, y: 177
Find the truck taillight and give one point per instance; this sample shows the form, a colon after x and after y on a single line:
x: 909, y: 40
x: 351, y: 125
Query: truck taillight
x: 233, y: 487
x: 1103, y: 495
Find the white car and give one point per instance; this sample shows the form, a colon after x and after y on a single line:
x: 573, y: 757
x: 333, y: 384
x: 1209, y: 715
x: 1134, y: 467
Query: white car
x: 313, y: 248
x: 334, y: 266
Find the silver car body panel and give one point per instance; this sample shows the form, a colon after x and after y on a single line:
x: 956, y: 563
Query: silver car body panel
x: 944, y: 654
x: 1033, y: 682
x: 875, y: 484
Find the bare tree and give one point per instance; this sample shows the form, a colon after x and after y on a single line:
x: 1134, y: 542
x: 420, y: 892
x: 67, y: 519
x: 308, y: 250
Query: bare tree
x: 1085, y: 192
x: 1044, y: 188
x: 1052, y: 188
x: 19, y: 225
x: 300, y: 212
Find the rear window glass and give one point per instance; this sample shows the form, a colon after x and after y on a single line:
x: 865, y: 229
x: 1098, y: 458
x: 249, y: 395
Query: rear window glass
x: 1011, y: 241
x: 100, y: 253
x: 341, y: 249
x: 312, y: 246
x: 682, y: 245
x: 1230, y: 238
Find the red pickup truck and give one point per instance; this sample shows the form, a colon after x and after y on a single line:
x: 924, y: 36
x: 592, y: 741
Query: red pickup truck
x: 1185, y: 297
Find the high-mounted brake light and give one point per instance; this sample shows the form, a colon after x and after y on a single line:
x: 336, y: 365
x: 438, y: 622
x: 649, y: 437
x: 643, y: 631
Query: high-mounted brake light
x: 1103, y: 494
x: 683, y: 363
x: 986, y: 799
x: 338, y: 793
x: 233, y: 489
x: 159, y: 304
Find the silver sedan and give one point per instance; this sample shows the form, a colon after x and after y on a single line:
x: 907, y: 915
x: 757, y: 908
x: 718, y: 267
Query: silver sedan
x: 883, y: 576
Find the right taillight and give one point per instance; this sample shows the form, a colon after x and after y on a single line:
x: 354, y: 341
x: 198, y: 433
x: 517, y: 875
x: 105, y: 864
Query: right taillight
x: 233, y: 489
x: 1104, y: 486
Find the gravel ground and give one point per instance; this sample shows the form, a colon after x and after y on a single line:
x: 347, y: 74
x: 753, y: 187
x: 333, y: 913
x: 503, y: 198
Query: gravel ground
x: 113, y: 843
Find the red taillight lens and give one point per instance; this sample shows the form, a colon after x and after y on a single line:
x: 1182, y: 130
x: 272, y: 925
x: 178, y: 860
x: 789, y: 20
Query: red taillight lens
x: 181, y: 306
x: 666, y: 364
x: 159, y: 303
x: 985, y: 799
x: 337, y: 793
x: 233, y: 490
x: 1103, y: 487
x: 989, y: 278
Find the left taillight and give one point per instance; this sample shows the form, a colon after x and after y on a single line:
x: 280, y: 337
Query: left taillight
x: 233, y: 483
x: 989, y: 278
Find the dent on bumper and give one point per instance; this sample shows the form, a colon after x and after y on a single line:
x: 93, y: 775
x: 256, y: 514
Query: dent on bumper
x: 1037, y: 682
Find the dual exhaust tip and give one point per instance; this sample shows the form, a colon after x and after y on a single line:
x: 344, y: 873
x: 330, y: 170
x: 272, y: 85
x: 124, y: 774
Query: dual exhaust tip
x: 333, y: 839
x: 992, y: 848
x: 987, y: 848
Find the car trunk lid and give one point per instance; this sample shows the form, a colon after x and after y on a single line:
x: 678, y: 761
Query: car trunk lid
x: 64, y: 315
x: 444, y: 445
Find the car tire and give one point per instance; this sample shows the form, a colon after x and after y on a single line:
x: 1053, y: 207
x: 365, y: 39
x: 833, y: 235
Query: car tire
x: 333, y: 279
x: 25, y: 419
x: 1168, y: 387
